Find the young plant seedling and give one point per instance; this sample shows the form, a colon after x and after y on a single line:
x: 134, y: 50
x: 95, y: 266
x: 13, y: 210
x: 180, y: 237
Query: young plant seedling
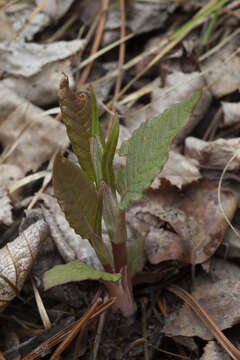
x: 87, y: 192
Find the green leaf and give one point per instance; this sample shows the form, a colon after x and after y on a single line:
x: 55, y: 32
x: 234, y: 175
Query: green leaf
x: 96, y: 154
x: 108, y: 155
x: 76, y: 113
x: 76, y: 195
x: 147, y: 150
x: 82, y: 206
x: 75, y: 271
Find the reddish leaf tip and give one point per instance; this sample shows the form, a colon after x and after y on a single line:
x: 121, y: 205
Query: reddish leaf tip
x: 64, y: 82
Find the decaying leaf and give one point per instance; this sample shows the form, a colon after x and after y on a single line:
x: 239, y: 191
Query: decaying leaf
x: 18, y: 14
x: 142, y: 17
x: 214, y: 351
x: 231, y: 113
x: 54, y: 8
x: 8, y: 174
x: 223, y: 77
x: 16, y: 260
x: 28, y: 59
x: 178, y: 87
x: 193, y: 214
x: 35, y: 137
x: 214, y: 154
x: 41, y: 88
x: 178, y: 170
x: 219, y: 299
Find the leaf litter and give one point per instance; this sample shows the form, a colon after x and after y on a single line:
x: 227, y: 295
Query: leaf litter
x: 179, y: 214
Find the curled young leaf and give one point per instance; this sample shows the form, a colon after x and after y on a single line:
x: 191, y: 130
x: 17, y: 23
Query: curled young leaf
x: 16, y: 259
x: 76, y: 112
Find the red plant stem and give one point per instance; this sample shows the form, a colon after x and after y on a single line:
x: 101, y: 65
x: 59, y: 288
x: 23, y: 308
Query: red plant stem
x: 119, y: 244
x: 119, y: 256
x: 108, y: 268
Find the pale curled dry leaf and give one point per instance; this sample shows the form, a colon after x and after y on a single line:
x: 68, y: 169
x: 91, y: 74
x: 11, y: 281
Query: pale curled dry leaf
x: 142, y: 17
x: 41, y: 88
x: 178, y: 170
x: 214, y: 351
x: 16, y: 260
x: 178, y: 87
x: 223, y: 78
x: 219, y: 299
x: 18, y: 14
x: 27, y: 59
x: 231, y: 113
x: 40, y: 135
x: 195, y: 223
x: 215, y: 153
x: 5, y: 207
x: 54, y: 8
x: 8, y: 174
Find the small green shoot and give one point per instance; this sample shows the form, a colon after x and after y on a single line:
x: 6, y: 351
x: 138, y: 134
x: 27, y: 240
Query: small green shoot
x: 87, y: 192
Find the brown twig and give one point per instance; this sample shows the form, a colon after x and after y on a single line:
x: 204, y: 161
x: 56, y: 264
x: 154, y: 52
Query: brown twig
x: 203, y: 315
x: 96, y: 42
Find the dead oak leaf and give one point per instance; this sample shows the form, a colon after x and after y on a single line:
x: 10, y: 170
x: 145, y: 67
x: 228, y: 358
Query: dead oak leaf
x: 16, y: 259
x: 186, y: 225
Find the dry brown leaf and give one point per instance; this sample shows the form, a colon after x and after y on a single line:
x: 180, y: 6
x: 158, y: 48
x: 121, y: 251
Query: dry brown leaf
x: 213, y: 351
x: 178, y: 170
x: 5, y: 207
x: 223, y: 77
x: 16, y: 259
x: 214, y: 154
x: 18, y: 14
x: 195, y: 224
x: 6, y: 30
x: 41, y: 137
x: 41, y: 89
x: 55, y: 8
x: 178, y: 87
x: 8, y: 174
x: 27, y: 59
x: 141, y: 17
x: 231, y: 112
x: 219, y: 299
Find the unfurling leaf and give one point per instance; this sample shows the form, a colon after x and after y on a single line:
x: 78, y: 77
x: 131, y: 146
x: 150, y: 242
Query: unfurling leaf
x: 76, y: 113
x: 147, y: 150
x: 108, y: 155
x: 75, y: 271
x: 114, y: 218
x: 76, y: 195
x: 16, y: 260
